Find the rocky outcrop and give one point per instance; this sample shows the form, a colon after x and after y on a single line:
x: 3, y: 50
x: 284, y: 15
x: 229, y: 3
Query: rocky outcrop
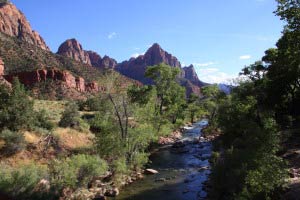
x: 94, y: 57
x: 107, y: 63
x: 190, y: 74
x: 1, y: 67
x: 2, y: 79
x: 190, y: 88
x: 103, y: 63
x: 156, y: 55
x: 135, y: 67
x: 69, y: 81
x: 14, y: 23
x: 73, y: 49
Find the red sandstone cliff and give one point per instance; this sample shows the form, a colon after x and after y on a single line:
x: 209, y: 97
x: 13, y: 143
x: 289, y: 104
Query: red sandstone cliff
x: 69, y: 81
x: 1, y: 67
x: 135, y: 68
x: 14, y: 23
x: 73, y: 49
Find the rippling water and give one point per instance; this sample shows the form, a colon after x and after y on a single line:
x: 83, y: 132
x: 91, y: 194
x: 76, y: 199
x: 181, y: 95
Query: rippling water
x: 181, y: 174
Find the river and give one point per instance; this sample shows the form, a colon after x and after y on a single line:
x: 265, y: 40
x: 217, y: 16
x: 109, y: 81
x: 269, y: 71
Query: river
x: 182, y: 170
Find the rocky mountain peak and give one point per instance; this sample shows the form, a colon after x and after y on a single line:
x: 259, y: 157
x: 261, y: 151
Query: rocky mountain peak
x: 135, y: 67
x: 155, y: 55
x: 73, y: 49
x: 191, y: 75
x: 108, y: 63
x: 14, y: 23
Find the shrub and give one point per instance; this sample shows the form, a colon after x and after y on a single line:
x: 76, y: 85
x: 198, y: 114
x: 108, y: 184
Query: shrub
x: 14, y: 141
x: 94, y: 104
x: 120, y: 168
x: 139, y: 160
x: 20, y: 182
x: 76, y: 171
x: 16, y: 109
x: 70, y: 117
x: 42, y: 121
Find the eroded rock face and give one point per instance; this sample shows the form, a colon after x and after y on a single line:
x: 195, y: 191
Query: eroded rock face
x: 190, y: 74
x: 1, y: 67
x: 135, y: 68
x: 107, y: 63
x: 156, y: 55
x: 94, y: 57
x: 73, y: 49
x: 14, y: 23
x: 33, y: 77
x: 2, y: 79
x: 190, y: 88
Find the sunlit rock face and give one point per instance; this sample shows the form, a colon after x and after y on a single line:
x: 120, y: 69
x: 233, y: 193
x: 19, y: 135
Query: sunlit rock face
x: 14, y: 23
x: 135, y: 67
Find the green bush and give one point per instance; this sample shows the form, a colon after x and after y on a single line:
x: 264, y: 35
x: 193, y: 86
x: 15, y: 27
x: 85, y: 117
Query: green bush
x: 20, y: 182
x: 76, y: 171
x: 16, y: 108
x: 42, y: 121
x: 120, y: 168
x: 14, y: 141
x: 139, y: 160
x: 70, y: 117
x: 94, y: 104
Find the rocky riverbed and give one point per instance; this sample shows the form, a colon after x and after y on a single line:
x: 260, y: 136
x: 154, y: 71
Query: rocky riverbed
x: 182, y: 167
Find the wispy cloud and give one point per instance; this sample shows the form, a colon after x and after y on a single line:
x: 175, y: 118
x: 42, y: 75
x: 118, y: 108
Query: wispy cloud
x: 204, y: 64
x: 112, y: 35
x: 135, y: 55
x: 214, y: 75
x: 245, y: 57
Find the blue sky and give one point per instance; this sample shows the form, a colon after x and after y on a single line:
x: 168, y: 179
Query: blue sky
x: 219, y: 37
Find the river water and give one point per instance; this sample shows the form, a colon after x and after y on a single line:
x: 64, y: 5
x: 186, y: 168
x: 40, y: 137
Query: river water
x: 182, y: 171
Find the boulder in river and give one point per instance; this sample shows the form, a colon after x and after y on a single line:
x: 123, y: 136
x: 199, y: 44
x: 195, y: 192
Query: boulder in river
x: 151, y: 171
x: 113, y: 192
x: 161, y: 180
x: 179, y: 144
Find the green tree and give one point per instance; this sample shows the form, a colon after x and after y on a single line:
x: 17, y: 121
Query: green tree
x: 195, y: 108
x: 71, y: 116
x: 16, y: 108
x: 170, y: 96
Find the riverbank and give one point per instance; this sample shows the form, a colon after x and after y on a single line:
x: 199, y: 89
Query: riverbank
x: 104, y: 187
x: 182, y: 169
x: 291, y: 153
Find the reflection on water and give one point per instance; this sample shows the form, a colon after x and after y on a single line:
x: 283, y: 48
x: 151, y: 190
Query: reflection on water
x: 181, y: 171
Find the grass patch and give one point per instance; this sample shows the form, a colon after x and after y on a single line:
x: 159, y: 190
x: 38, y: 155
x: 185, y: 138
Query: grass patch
x: 54, y: 109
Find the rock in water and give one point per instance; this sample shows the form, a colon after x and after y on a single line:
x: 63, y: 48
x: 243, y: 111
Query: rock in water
x: 151, y: 171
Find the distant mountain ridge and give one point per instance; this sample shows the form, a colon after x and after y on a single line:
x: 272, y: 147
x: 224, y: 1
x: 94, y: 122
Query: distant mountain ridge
x: 24, y: 50
x: 73, y: 49
x: 135, y: 68
x: 191, y: 75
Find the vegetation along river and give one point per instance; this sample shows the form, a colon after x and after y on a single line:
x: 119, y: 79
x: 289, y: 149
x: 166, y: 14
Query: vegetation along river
x: 183, y: 168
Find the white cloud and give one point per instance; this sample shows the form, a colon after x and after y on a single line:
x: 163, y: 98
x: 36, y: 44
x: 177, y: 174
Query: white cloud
x: 135, y: 55
x: 218, y: 77
x: 245, y: 57
x: 204, y: 64
x: 214, y: 75
x: 206, y: 71
x: 112, y: 35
